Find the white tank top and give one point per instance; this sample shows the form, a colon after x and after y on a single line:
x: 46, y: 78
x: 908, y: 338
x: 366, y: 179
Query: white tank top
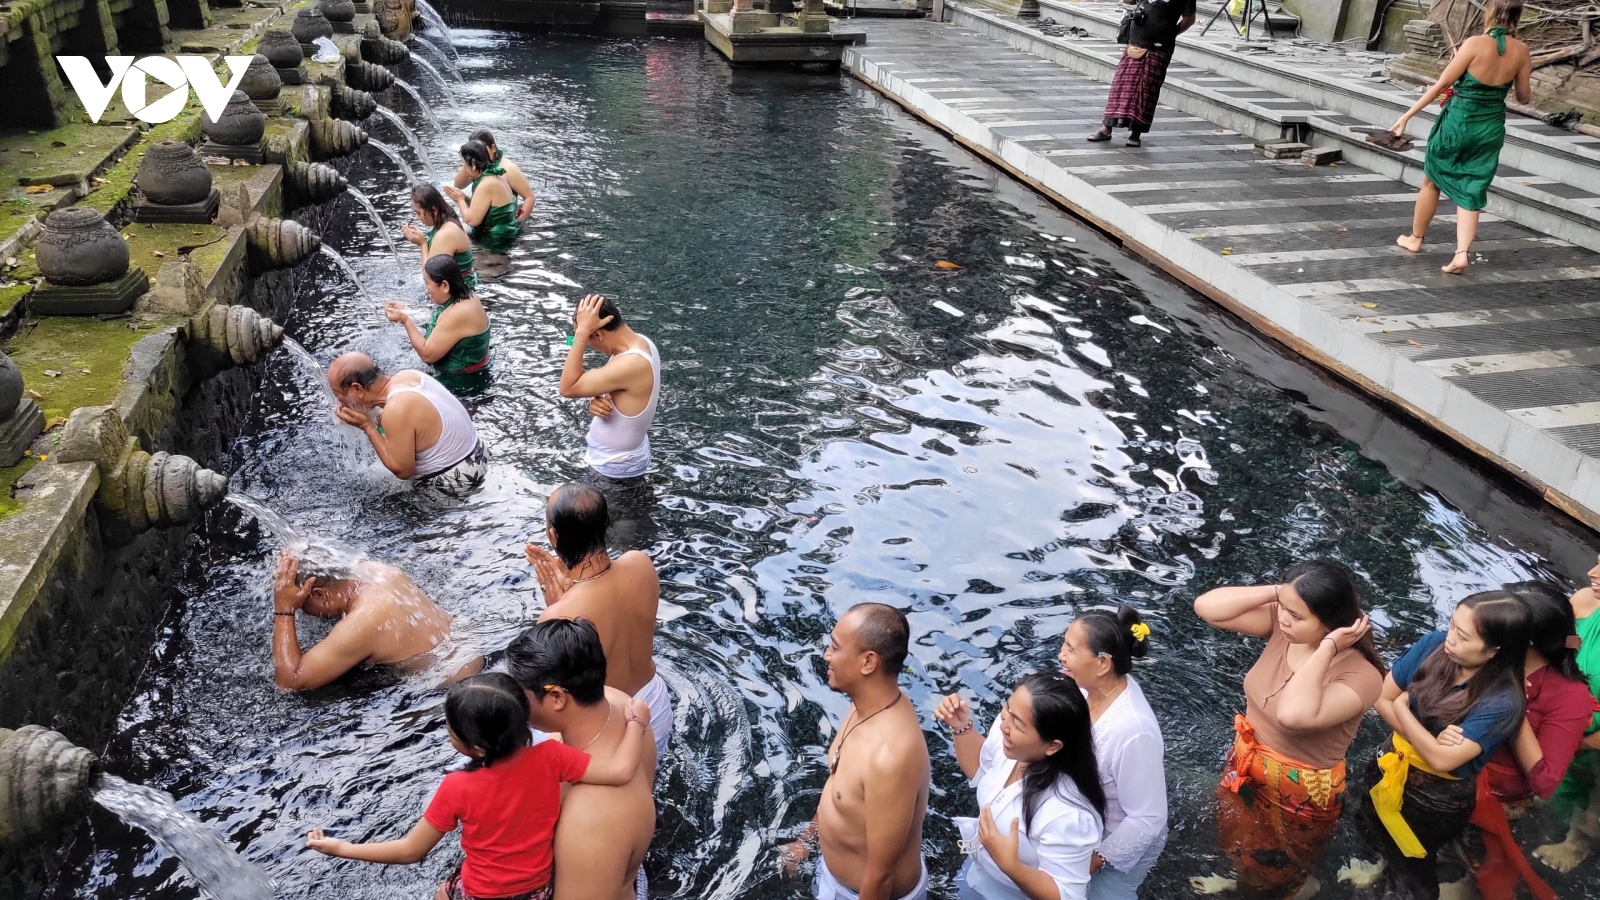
x: 457, y: 437
x: 619, y: 445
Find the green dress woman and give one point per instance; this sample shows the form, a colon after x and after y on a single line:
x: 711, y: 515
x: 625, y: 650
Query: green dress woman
x: 491, y: 212
x: 1578, y: 798
x: 455, y: 342
x: 1464, y: 144
x: 430, y: 208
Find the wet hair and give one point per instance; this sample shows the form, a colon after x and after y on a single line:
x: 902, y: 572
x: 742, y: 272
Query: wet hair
x: 883, y: 630
x: 363, y: 375
x: 1503, y: 14
x: 433, y: 205
x: 1502, y: 622
x: 564, y: 653
x: 608, y: 307
x: 324, y: 564
x: 1329, y: 590
x: 490, y: 713
x: 484, y: 137
x: 1551, y: 623
x: 1111, y: 633
x: 578, y: 516
x: 476, y: 155
x: 1060, y: 713
x: 443, y: 269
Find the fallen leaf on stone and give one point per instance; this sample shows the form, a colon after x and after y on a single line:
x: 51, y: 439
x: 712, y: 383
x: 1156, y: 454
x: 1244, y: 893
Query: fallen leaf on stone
x: 241, y: 162
x: 158, y: 254
x: 1199, y: 237
x: 11, y: 262
x: 945, y: 264
x: 43, y: 457
x: 1342, y: 228
x: 39, y: 189
x: 35, y: 394
x: 86, y: 371
x: 53, y: 421
x: 58, y: 143
x: 51, y: 373
x: 1370, y: 305
x: 80, y: 152
x: 1413, y: 343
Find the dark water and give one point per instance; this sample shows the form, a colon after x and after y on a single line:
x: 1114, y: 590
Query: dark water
x: 1084, y: 431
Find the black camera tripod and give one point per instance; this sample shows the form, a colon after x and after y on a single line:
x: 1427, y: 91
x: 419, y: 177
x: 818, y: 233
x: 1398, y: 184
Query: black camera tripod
x: 1252, y: 9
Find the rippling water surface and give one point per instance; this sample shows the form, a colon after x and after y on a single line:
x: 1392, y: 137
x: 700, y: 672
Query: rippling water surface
x: 1048, y: 427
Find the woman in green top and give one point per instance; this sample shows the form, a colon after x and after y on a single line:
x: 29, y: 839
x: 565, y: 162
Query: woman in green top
x: 1578, y: 797
x: 445, y: 233
x: 492, y: 210
x: 456, y: 339
x: 1464, y: 145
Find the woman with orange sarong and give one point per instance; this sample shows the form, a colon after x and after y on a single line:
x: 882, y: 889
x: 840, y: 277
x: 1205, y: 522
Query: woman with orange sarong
x: 1283, y: 783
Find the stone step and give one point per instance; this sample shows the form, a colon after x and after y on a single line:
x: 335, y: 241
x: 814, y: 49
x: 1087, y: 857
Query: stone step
x: 1544, y: 204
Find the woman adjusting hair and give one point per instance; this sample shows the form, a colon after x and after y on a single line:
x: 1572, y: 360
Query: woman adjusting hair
x: 492, y: 210
x: 1283, y: 782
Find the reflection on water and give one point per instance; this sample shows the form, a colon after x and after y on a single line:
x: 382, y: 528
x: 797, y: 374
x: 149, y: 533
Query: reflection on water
x: 1048, y: 427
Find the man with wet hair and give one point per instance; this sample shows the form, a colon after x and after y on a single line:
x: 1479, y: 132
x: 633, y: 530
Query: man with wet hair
x: 514, y: 177
x: 620, y: 597
x: 623, y: 392
x: 869, y: 818
x: 417, y: 427
x: 603, y: 832
x: 383, y: 618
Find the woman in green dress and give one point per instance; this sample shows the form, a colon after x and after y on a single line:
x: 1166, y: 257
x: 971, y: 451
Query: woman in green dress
x: 445, y: 233
x: 491, y: 212
x: 1464, y: 145
x: 1578, y: 798
x: 456, y: 340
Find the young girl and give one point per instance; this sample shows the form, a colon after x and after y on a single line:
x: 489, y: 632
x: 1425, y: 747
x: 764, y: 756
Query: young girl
x: 506, y: 800
x: 1452, y: 700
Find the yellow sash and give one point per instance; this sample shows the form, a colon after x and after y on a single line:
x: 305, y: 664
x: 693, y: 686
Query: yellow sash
x: 1390, y: 792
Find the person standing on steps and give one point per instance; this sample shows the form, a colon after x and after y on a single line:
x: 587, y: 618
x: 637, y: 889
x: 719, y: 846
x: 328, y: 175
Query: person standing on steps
x: 1149, y: 32
x: 1283, y: 782
x: 456, y: 339
x: 869, y: 818
x: 445, y: 232
x: 491, y: 212
x: 1098, y: 651
x: 1464, y: 145
x: 1578, y: 798
x: 620, y: 597
x: 514, y: 177
x: 424, y: 433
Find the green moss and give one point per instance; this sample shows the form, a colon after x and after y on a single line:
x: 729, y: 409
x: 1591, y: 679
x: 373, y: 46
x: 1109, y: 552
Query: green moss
x: 210, y: 257
x: 65, y: 155
x: 151, y: 245
x: 8, y: 482
x: 11, y: 295
x: 87, y: 355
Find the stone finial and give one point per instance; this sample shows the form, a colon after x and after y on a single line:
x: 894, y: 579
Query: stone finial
x: 44, y: 780
x: 21, y: 420
x: 337, y: 11
x: 240, y: 125
x: 310, y: 24
x: 314, y: 182
x: 177, y: 489
x: 281, y: 49
x: 79, y: 247
x: 348, y: 103
x: 279, y: 243
x: 335, y: 137
x: 261, y: 82
x: 170, y: 173
x: 364, y: 76
x: 388, y: 13
x: 237, y: 334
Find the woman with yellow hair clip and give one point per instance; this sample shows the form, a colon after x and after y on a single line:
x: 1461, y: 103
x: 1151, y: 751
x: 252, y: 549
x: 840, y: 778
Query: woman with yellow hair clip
x: 1283, y: 782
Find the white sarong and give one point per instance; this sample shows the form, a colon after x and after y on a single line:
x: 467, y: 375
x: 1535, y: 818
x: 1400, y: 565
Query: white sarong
x: 655, y: 694
x: 828, y: 888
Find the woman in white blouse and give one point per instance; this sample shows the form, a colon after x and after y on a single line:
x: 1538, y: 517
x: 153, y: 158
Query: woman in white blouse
x: 1039, y: 794
x: 1098, y: 652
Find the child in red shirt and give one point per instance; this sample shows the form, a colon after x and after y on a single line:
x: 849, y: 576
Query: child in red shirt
x: 506, y: 800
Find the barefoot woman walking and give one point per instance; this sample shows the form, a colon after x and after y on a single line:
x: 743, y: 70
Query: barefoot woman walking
x: 1464, y: 145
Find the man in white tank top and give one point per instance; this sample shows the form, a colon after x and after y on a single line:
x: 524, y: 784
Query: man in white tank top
x: 424, y: 433
x: 623, y: 392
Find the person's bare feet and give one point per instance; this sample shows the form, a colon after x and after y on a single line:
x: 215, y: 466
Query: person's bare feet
x: 1410, y: 243
x: 1458, y: 263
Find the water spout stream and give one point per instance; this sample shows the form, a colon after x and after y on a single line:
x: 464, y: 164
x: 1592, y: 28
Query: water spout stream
x: 412, y: 139
x: 443, y: 57
x: 220, y: 873
x: 434, y: 20
x: 443, y: 84
x: 348, y: 270
x: 394, y: 155
x: 422, y: 104
x: 303, y: 358
x: 372, y: 213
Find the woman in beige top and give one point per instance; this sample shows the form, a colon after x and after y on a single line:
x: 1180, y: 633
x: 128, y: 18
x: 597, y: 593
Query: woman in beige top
x: 1283, y: 783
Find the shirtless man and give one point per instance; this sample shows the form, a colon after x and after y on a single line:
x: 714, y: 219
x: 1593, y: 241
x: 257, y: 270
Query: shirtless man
x: 514, y: 177
x: 623, y: 392
x: 603, y: 832
x: 869, y: 818
x: 383, y: 618
x: 424, y: 431
x: 620, y: 597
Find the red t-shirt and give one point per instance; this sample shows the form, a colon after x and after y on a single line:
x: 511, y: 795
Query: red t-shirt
x: 507, y: 814
x: 1559, y: 710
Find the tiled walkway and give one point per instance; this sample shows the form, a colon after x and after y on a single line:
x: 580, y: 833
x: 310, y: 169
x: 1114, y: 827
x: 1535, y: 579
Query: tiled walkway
x: 1505, y: 358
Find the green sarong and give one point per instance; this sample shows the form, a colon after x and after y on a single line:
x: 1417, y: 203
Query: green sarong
x: 499, y: 228
x: 1464, y: 145
x: 463, y: 261
x: 465, y: 369
x: 1583, y: 776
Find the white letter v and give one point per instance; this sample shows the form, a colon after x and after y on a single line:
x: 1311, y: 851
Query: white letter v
x: 95, y: 96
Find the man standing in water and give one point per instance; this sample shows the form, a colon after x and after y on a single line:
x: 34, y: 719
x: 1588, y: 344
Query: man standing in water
x: 623, y: 392
x: 869, y: 818
x: 514, y: 177
x: 603, y: 832
x: 425, y: 432
x: 383, y: 618
x: 620, y: 597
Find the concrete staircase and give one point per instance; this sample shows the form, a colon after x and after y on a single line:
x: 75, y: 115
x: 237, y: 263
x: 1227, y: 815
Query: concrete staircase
x: 1549, y: 179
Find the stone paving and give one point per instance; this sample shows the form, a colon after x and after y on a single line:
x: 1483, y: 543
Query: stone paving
x: 1505, y: 358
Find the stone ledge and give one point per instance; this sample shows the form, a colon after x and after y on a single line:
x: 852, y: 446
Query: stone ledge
x: 33, y: 540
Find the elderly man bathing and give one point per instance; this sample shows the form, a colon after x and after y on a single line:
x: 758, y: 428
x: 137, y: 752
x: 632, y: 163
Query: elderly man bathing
x: 620, y: 597
x: 869, y: 817
x: 424, y: 432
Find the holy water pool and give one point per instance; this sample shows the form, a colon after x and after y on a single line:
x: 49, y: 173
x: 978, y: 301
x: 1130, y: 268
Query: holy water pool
x: 1083, y: 432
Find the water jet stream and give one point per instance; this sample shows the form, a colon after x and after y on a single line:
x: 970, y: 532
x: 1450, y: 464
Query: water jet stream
x: 435, y: 20
x: 219, y: 872
x: 372, y: 212
x: 427, y: 110
x: 350, y: 271
x: 443, y: 57
x: 394, y: 155
x: 444, y: 85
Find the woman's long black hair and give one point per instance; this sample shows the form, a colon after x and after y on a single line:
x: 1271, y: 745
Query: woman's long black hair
x: 488, y: 712
x: 1502, y: 621
x: 432, y: 202
x: 443, y: 269
x: 1551, y: 625
x: 475, y: 155
x: 1060, y: 713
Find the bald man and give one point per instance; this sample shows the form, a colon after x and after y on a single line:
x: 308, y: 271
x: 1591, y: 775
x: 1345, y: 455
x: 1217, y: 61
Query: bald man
x: 419, y: 429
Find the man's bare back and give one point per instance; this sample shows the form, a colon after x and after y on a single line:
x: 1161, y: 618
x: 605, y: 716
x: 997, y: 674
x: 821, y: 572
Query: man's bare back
x: 403, y: 624
x: 604, y: 832
x: 878, y: 791
x: 623, y: 604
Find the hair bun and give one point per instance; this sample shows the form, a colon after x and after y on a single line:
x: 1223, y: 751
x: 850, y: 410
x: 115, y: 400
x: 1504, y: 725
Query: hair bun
x: 1133, y: 625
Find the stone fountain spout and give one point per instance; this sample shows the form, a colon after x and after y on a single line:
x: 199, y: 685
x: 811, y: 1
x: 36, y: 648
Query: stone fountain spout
x: 279, y: 243
x: 140, y: 490
x: 45, y: 781
x: 236, y: 335
x: 332, y: 138
x: 314, y: 182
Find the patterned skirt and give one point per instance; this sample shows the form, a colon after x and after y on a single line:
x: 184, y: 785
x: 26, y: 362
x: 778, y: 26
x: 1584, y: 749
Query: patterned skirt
x: 1135, y: 90
x: 1274, y: 816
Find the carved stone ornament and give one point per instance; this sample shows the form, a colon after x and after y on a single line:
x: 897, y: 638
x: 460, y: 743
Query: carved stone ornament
x: 79, y: 247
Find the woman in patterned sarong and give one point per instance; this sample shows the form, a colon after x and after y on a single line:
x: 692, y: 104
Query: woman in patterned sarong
x: 1150, y: 30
